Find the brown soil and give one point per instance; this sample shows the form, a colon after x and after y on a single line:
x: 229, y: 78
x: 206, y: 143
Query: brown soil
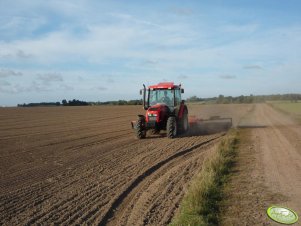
x: 75, y: 165
x: 268, y: 168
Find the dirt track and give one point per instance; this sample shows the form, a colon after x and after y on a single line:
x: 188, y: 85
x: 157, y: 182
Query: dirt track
x: 280, y: 146
x: 268, y: 168
x: 79, y: 165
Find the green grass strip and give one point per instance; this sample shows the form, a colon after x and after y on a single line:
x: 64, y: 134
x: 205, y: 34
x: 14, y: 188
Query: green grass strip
x: 292, y: 109
x: 200, y: 205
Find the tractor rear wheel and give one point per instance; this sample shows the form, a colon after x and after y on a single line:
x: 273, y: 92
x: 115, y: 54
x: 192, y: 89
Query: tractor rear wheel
x: 171, y: 127
x: 140, y: 128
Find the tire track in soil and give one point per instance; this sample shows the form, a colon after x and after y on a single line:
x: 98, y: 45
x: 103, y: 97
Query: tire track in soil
x: 35, y: 173
x: 57, y: 129
x: 90, y: 199
x: 113, y: 211
x: 40, y: 187
x: 94, y: 194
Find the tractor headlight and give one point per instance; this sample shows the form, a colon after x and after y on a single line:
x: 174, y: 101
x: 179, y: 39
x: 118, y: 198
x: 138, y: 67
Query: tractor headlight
x: 152, y: 114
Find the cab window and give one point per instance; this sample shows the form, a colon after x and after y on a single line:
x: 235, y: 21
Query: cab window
x: 178, y: 96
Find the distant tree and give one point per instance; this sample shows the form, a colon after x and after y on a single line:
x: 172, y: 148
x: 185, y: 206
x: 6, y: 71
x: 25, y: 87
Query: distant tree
x: 220, y: 99
x: 251, y: 98
x: 241, y: 99
x: 75, y: 102
x: 64, y: 102
x: 193, y: 99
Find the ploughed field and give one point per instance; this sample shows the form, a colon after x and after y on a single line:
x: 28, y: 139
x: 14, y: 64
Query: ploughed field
x: 74, y: 165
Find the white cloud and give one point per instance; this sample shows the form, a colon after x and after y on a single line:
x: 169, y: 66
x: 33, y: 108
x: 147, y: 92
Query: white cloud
x: 4, y: 83
x: 8, y: 73
x: 109, y: 80
x: 181, y: 11
x: 66, y: 87
x: 12, y: 27
x: 48, y: 78
x: 245, y: 29
x: 101, y: 88
x: 183, y: 77
x: 227, y: 76
x: 255, y: 67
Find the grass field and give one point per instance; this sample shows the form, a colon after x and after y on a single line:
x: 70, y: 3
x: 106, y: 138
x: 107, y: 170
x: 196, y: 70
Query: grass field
x: 290, y: 107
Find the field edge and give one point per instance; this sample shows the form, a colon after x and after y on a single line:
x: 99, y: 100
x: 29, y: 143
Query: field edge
x: 200, y: 204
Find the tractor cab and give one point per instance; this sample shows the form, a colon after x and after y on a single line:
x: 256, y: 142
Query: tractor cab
x: 162, y: 94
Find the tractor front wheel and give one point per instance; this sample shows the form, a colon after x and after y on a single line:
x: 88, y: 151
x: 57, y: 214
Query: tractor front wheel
x: 140, y: 128
x: 171, y: 127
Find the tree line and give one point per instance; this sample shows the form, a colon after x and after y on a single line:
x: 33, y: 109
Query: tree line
x: 221, y: 99
x: 75, y: 102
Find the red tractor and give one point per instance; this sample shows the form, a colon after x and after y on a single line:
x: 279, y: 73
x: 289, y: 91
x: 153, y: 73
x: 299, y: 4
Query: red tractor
x: 165, y: 110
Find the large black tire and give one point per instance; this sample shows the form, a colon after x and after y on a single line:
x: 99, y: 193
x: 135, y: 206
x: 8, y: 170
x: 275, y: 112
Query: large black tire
x: 140, y: 128
x: 171, y: 127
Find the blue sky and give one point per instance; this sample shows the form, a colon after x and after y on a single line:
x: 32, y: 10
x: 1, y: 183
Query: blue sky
x: 106, y: 50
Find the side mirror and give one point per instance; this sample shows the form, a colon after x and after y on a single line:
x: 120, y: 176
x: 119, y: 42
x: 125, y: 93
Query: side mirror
x: 182, y: 90
x: 140, y: 91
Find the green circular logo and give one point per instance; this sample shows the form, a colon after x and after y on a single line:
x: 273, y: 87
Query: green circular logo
x: 282, y: 215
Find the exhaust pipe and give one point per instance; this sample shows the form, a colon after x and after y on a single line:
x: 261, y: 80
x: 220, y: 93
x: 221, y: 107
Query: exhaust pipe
x: 144, y: 93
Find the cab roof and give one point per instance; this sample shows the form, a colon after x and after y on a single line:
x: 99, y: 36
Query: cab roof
x: 165, y: 85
